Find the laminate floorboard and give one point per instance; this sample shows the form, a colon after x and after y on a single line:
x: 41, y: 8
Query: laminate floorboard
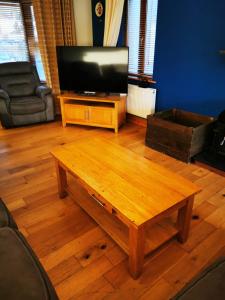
x: 80, y: 258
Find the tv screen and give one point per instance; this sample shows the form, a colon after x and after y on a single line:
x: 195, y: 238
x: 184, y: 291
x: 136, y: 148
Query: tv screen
x: 93, y: 69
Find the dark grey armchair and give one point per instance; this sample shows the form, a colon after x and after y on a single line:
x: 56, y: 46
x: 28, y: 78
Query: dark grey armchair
x: 23, y: 100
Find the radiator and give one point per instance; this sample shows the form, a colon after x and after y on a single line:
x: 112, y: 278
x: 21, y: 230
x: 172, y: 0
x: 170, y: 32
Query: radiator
x: 140, y: 101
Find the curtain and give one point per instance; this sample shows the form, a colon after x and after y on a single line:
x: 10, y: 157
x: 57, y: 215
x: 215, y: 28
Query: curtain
x: 55, y: 26
x: 43, y: 11
x: 113, y: 17
x: 68, y: 22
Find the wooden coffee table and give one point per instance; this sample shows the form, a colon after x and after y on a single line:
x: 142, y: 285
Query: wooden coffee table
x: 127, y: 195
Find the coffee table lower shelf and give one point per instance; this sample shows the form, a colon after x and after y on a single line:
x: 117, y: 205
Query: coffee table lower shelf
x: 155, y: 235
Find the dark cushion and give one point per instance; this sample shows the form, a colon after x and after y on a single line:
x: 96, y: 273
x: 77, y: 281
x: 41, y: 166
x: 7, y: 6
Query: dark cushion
x: 16, y: 68
x: 17, y: 85
x: 21, y: 275
x: 26, y: 105
x: 209, y: 285
x: 6, y: 218
x: 19, y: 79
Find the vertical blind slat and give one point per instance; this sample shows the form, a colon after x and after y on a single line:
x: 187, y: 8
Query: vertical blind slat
x: 133, y: 33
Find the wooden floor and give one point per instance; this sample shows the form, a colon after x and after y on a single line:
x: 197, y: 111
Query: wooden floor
x: 81, y: 260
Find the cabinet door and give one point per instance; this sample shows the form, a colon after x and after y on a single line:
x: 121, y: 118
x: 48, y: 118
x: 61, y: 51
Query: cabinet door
x: 101, y: 115
x: 75, y: 112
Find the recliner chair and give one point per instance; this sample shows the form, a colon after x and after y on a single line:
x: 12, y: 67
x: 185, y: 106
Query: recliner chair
x: 23, y: 99
x: 22, y: 277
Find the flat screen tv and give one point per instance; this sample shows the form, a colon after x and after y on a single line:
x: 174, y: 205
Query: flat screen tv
x: 93, y: 69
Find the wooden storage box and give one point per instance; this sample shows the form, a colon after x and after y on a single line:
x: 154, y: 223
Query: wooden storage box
x: 178, y: 133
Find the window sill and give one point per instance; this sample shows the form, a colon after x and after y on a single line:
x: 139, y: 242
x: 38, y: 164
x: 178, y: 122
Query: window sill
x: 141, y: 78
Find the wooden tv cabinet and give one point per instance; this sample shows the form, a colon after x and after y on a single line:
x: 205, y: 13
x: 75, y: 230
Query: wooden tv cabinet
x: 100, y: 111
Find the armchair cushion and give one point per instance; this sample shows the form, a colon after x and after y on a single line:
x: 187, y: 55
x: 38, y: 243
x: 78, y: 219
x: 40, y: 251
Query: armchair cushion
x: 16, y: 68
x: 26, y: 105
x: 18, y: 85
x: 18, y: 78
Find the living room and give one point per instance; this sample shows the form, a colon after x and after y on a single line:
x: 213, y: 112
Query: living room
x: 91, y: 207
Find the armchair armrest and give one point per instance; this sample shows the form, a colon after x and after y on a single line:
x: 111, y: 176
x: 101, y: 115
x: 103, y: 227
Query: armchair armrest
x: 5, y: 116
x: 45, y: 93
x: 42, y: 91
x: 4, y: 96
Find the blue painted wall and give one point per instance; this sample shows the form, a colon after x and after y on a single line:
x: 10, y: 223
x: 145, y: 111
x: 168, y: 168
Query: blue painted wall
x: 189, y: 70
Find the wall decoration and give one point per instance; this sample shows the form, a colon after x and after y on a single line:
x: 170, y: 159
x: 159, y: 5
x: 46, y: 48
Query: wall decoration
x: 98, y: 21
x: 99, y: 9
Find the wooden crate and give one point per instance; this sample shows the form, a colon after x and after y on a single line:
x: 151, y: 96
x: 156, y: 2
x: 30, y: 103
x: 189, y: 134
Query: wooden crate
x: 179, y: 133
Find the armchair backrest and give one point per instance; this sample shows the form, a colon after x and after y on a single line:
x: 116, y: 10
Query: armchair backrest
x: 19, y: 78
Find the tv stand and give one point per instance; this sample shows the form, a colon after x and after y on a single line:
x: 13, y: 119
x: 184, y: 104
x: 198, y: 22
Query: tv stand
x: 108, y: 111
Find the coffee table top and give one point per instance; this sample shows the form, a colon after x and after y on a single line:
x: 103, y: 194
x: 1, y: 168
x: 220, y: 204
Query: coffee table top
x: 140, y: 190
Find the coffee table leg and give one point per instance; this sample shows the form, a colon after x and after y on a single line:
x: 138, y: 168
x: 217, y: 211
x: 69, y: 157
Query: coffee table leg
x: 136, y: 254
x: 62, y: 180
x: 184, y: 220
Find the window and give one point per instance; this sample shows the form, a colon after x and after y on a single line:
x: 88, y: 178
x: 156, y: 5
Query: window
x: 141, y: 30
x: 18, y: 36
x: 13, y: 46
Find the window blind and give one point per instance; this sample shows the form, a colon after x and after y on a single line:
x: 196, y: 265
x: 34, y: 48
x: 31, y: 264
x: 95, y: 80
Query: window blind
x: 151, y: 19
x: 133, y: 34
x: 13, y: 46
x: 141, y: 31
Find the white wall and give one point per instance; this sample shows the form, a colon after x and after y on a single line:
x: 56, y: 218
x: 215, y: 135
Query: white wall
x: 83, y: 22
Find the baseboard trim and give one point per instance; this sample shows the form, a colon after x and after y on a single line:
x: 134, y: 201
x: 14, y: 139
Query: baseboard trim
x: 136, y: 120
